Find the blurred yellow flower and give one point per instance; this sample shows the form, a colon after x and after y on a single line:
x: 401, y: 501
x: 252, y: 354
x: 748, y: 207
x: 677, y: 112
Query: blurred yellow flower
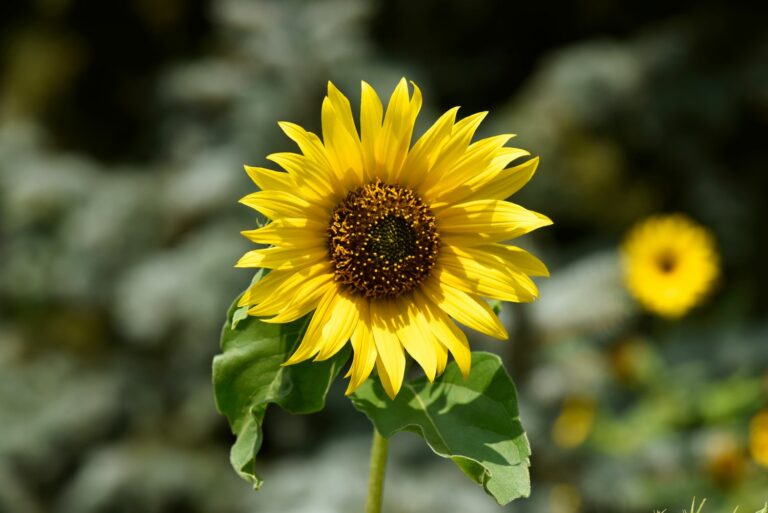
x: 670, y: 263
x: 390, y: 243
x: 758, y: 438
x: 574, y: 423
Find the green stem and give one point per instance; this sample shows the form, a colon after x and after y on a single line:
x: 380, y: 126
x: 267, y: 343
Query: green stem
x: 379, y: 449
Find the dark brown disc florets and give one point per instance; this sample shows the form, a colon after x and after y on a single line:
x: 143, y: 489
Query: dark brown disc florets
x: 383, y: 240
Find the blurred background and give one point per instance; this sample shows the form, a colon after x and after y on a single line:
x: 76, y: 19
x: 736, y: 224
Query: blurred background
x: 123, y: 130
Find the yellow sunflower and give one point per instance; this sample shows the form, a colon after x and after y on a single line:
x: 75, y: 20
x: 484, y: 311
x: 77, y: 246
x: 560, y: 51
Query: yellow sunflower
x: 670, y: 263
x: 758, y: 438
x: 390, y: 243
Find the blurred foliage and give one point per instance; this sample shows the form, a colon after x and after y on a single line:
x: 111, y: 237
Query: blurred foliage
x: 123, y: 129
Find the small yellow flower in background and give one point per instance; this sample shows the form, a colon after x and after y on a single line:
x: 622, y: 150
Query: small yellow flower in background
x: 670, y: 263
x: 389, y: 243
x: 758, y: 438
x: 574, y: 424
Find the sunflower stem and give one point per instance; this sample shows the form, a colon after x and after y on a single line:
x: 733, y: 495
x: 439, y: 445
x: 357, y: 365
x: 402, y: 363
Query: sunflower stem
x: 379, y: 450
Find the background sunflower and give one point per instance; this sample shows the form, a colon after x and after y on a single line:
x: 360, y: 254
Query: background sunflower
x: 123, y: 128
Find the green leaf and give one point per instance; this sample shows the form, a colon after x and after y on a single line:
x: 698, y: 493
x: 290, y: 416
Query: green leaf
x: 242, y: 312
x: 248, y: 376
x: 474, y: 421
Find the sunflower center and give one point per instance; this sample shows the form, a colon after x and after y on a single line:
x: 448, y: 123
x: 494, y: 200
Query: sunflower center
x: 382, y: 240
x: 666, y: 262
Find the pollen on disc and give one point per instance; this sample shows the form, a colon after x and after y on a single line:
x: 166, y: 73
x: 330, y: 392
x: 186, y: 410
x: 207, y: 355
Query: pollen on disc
x: 383, y: 240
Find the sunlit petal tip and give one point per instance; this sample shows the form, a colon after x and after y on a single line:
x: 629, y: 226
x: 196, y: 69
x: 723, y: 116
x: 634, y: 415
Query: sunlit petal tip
x: 545, y: 221
x: 293, y: 360
x: 367, y: 88
x: 244, y: 263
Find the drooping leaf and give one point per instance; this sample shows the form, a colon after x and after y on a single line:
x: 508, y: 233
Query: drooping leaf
x: 474, y: 421
x: 248, y: 376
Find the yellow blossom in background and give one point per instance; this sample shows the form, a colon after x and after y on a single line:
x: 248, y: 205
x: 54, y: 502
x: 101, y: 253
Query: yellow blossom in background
x: 574, y: 424
x: 390, y: 244
x: 758, y: 438
x: 670, y: 263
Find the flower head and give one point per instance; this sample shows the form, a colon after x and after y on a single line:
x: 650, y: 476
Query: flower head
x: 758, y: 438
x: 670, y: 263
x: 389, y: 243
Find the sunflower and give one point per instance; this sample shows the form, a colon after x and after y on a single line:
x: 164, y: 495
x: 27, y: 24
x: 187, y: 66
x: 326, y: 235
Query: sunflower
x: 390, y: 243
x: 758, y: 438
x: 670, y: 263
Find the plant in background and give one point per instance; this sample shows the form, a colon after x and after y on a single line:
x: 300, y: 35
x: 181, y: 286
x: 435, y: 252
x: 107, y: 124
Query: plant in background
x: 385, y: 245
x: 670, y: 264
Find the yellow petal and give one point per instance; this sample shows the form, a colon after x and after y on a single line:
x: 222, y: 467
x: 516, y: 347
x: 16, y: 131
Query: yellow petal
x: 421, y: 348
x: 426, y: 150
x: 473, y: 272
x: 346, y: 312
x: 386, y: 380
x: 467, y: 167
x: 343, y: 110
x: 468, y: 309
x: 419, y: 318
x: 267, y: 179
x: 514, y: 257
x: 452, y: 150
x: 309, y: 144
x: 331, y: 326
x: 442, y: 356
x: 277, y: 204
x: 300, y: 292
x: 289, y: 232
x: 301, y: 307
x: 390, y: 351
x: 364, y: 351
x: 282, y: 258
x: 311, y: 342
x: 395, y: 138
x: 506, y: 183
x: 340, y: 137
x: 264, y: 287
x: 460, y: 189
x: 275, y: 280
x: 312, y: 148
x: 312, y: 182
x: 447, y: 333
x: 484, y: 221
x: 371, y: 113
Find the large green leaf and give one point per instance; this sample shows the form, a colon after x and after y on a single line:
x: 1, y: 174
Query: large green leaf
x: 248, y: 376
x: 473, y: 421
